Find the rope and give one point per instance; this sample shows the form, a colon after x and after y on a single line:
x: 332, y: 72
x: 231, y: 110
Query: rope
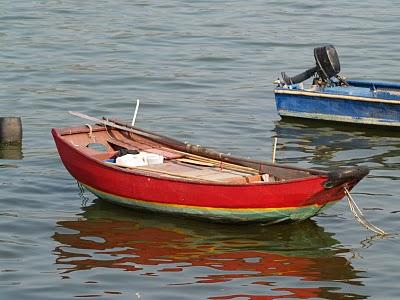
x: 91, y: 136
x: 360, y: 217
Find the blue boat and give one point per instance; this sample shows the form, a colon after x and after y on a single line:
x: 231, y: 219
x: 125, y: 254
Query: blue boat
x: 333, y: 98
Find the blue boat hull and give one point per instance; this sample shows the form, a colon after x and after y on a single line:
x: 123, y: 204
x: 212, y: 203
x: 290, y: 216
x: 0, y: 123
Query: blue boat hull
x: 363, y: 102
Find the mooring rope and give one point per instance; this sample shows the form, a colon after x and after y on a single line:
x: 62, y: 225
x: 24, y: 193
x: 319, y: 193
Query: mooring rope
x: 359, y: 216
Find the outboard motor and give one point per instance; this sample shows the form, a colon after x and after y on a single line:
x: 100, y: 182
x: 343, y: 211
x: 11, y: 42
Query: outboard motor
x: 326, y: 66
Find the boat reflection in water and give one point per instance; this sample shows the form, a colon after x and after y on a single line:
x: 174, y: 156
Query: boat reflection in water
x: 333, y: 144
x: 297, y: 260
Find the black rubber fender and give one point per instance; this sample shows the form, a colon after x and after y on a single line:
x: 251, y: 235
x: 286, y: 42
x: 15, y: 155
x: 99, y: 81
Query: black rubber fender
x: 345, y: 174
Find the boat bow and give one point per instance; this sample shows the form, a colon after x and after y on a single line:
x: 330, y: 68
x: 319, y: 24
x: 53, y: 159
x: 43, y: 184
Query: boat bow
x: 345, y: 175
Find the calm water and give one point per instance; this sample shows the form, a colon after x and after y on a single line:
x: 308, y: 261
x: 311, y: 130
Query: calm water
x: 203, y: 71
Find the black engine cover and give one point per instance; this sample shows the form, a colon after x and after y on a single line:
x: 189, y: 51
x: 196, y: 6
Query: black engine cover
x: 327, y: 60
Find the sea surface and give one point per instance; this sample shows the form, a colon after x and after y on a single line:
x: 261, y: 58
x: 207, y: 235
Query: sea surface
x: 203, y: 71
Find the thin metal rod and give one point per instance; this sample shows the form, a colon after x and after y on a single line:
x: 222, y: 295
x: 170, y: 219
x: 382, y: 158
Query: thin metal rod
x: 136, y: 111
x: 274, y: 150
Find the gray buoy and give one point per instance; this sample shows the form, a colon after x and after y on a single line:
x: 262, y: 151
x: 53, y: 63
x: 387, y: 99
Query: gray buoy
x: 10, y: 130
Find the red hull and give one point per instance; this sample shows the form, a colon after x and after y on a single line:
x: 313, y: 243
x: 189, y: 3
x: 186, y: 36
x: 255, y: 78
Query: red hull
x: 149, y: 188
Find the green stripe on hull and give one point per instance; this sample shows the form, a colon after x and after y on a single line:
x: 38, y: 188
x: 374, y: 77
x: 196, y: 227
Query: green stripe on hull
x: 236, y: 215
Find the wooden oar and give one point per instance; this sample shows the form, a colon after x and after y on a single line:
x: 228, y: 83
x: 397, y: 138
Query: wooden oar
x: 196, y: 162
x: 216, y: 163
x: 104, y: 122
x: 111, y: 123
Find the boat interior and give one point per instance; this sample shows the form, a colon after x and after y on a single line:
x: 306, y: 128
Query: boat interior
x: 111, y: 147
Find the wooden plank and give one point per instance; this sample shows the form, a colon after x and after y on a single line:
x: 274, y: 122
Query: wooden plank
x: 195, y: 162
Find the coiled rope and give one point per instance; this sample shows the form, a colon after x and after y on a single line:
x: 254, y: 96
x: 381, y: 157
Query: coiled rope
x: 359, y: 216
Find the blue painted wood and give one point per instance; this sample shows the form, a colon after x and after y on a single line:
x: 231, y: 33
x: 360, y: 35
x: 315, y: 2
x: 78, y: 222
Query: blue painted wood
x: 363, y: 102
x: 374, y: 84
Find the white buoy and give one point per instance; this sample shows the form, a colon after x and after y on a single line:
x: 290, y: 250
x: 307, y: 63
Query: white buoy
x: 136, y: 111
x: 10, y: 130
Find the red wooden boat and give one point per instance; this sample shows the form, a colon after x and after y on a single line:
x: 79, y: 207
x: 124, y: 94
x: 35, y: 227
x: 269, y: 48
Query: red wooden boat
x: 180, y: 178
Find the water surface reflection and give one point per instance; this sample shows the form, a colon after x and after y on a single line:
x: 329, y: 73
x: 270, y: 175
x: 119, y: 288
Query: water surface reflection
x: 331, y: 144
x: 298, y: 260
x: 13, y: 152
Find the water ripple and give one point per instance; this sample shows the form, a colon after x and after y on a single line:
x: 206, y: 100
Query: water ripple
x: 203, y: 72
